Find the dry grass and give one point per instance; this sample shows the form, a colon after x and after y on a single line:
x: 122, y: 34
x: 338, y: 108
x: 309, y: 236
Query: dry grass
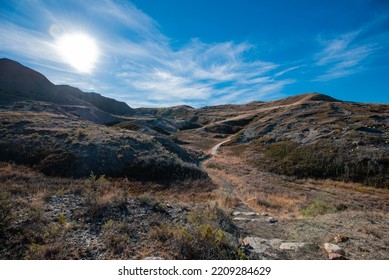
x: 239, y: 183
x: 284, y: 196
x: 67, y: 146
x: 93, y: 218
x: 207, y: 235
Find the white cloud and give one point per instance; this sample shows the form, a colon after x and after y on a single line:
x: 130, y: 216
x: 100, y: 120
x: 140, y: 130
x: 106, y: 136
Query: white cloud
x: 344, y: 55
x: 137, y: 63
x: 25, y: 42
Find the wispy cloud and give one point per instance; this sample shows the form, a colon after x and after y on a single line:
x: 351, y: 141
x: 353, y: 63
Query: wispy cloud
x: 137, y: 63
x: 345, y: 55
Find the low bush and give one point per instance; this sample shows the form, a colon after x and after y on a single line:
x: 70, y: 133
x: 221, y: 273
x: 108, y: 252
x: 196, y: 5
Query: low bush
x: 324, y: 160
x: 205, y: 236
x: 6, y: 213
x: 318, y: 207
x: 116, y: 237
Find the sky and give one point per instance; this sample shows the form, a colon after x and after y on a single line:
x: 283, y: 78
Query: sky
x: 153, y: 53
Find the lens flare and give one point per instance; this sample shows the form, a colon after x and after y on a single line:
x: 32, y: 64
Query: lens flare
x: 79, y: 50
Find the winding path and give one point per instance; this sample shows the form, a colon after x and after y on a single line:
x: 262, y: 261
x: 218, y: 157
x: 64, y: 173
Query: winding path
x: 217, y: 146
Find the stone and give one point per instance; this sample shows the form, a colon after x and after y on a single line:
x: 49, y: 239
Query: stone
x: 275, y: 243
x: 335, y: 256
x: 153, y: 258
x: 271, y: 220
x: 261, y: 248
x: 249, y: 214
x: 238, y: 213
x: 257, y: 244
x: 293, y: 246
x: 340, y: 238
x: 241, y: 219
x: 333, y: 248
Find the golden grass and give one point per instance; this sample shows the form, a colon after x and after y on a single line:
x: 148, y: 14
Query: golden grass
x: 284, y: 196
x: 348, y: 186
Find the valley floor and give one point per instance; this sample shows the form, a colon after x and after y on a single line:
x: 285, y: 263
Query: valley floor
x: 276, y: 212
x: 247, y: 213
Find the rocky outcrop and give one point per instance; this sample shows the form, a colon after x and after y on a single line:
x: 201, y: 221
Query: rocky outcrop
x: 334, y: 251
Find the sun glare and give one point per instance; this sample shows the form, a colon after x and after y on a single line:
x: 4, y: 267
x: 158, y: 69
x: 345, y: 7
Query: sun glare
x: 79, y: 50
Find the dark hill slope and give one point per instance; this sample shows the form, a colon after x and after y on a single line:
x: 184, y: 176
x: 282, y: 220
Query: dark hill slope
x: 49, y: 128
x: 307, y: 135
x: 60, y: 145
x: 321, y: 138
x: 20, y: 83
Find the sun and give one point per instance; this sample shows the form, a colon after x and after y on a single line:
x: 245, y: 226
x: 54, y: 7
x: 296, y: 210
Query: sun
x: 79, y: 50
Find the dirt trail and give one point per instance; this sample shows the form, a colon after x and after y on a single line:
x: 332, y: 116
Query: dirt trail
x: 261, y: 234
x: 213, y: 151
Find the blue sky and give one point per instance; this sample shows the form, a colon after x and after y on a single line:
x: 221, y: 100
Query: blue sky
x: 154, y: 53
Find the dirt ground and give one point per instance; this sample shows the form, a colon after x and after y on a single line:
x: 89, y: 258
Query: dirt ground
x: 307, y: 211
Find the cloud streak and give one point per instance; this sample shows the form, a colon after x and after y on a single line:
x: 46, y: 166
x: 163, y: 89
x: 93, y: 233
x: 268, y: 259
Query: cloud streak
x: 344, y: 55
x: 141, y: 67
x: 138, y: 65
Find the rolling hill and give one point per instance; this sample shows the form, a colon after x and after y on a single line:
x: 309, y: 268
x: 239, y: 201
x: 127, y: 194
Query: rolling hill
x: 83, y: 176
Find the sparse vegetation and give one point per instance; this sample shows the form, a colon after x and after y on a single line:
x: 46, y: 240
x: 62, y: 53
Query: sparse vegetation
x: 116, y: 237
x: 145, y: 185
x: 318, y: 207
x: 213, y: 165
x: 6, y: 212
x: 324, y: 160
x: 80, y: 133
x: 208, y: 235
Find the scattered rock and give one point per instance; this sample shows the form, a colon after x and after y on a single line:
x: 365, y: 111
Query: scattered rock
x: 153, y: 258
x: 271, y: 220
x: 340, y: 238
x: 336, y: 256
x: 241, y: 219
x: 294, y: 246
x: 249, y: 214
x: 237, y: 213
x: 275, y: 243
x: 261, y: 248
x: 333, y: 248
x: 257, y: 244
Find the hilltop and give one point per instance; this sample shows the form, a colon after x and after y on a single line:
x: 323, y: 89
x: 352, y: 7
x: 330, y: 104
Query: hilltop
x: 20, y: 83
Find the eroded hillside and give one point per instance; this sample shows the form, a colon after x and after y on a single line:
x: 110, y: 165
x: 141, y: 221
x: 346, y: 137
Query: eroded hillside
x: 86, y: 177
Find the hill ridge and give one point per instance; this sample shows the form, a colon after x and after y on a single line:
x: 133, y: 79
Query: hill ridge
x: 21, y: 83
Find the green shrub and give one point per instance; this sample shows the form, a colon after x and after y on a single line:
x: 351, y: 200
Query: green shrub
x: 61, y: 219
x: 203, y: 237
x: 318, y: 207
